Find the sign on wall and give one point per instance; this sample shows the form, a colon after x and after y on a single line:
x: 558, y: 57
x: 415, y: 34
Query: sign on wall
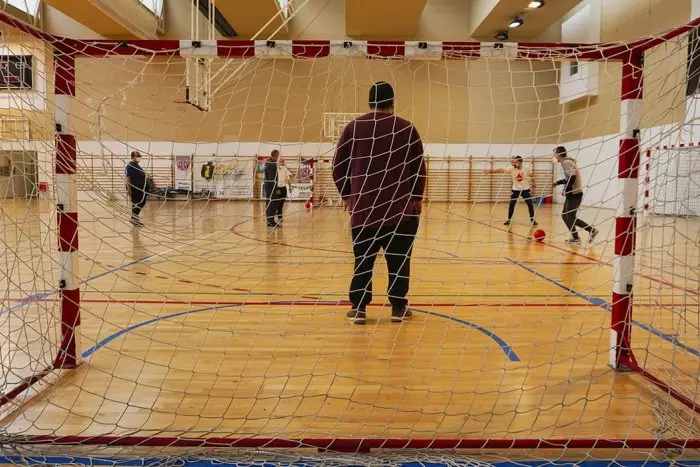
x: 183, y: 173
x: 225, y: 177
x: 301, y: 189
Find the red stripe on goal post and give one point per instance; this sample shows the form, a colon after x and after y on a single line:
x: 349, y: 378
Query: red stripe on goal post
x: 66, y: 209
x: 621, y: 357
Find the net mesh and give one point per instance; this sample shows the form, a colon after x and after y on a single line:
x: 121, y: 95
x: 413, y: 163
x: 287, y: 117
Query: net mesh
x: 204, y: 323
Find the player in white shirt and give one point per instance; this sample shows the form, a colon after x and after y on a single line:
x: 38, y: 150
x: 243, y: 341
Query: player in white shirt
x: 522, y: 183
x: 284, y: 177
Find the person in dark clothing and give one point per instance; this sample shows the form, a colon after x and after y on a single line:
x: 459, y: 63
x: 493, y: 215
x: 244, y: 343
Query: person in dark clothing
x: 573, y: 195
x: 379, y: 171
x: 136, y: 187
x: 272, y: 190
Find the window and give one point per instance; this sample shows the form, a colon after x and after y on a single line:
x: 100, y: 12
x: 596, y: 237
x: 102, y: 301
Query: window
x: 154, y: 6
x: 573, y: 68
x: 284, y: 6
x: 28, y: 6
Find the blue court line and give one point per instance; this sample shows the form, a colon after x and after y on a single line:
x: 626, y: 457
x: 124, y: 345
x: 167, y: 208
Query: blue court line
x: 607, y: 307
x: 121, y: 332
x: 42, y: 295
x: 118, y: 268
x: 304, y: 460
x: 507, y: 349
x: 510, y: 353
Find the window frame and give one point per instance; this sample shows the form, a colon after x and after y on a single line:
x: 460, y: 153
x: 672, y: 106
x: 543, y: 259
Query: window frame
x: 158, y: 11
x: 285, y: 7
x: 34, y: 13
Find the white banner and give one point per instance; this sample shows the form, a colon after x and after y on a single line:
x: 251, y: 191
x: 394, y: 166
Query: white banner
x: 299, y: 191
x: 183, y: 173
x: 232, y: 177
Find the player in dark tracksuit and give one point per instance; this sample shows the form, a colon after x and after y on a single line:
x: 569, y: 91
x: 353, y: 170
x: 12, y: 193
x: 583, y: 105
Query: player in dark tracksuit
x: 136, y: 187
x: 379, y: 171
x: 573, y: 195
x: 271, y: 189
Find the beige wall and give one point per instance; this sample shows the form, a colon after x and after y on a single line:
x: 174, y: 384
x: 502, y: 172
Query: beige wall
x: 284, y: 100
x: 664, y: 70
x: 55, y: 22
x: 630, y: 19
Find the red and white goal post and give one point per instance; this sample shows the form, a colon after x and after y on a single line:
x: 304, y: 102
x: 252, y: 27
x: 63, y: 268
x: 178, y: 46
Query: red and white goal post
x: 629, y: 55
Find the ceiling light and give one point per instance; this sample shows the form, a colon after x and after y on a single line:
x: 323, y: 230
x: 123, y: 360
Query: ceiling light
x: 502, y: 35
x: 516, y: 23
x: 536, y: 4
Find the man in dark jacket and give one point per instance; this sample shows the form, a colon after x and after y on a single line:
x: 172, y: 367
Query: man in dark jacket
x: 271, y: 189
x: 379, y: 171
x: 137, y: 187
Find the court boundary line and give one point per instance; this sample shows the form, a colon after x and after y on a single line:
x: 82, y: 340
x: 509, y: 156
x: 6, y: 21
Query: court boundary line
x: 474, y: 261
x: 502, y: 344
x: 44, y: 295
x: 604, y: 305
x: 569, y: 251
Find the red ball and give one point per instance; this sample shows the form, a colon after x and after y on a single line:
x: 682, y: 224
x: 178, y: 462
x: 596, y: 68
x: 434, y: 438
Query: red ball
x: 539, y: 235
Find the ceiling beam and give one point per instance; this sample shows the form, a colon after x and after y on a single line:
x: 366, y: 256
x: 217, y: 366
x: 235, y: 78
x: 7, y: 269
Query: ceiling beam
x: 128, y: 20
x: 248, y: 17
x: 490, y: 16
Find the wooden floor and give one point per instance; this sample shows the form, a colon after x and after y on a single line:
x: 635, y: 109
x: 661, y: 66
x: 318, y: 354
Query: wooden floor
x: 205, y: 323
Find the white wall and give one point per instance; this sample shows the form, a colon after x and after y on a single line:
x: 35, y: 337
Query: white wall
x: 598, y: 157
x: 582, y: 26
x: 306, y: 150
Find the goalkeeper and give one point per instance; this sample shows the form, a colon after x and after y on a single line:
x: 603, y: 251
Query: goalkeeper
x: 379, y: 171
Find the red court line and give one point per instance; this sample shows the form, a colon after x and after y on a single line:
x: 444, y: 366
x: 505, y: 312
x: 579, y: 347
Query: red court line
x: 475, y: 260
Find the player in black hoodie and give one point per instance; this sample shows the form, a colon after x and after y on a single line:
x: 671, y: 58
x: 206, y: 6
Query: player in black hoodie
x: 271, y: 189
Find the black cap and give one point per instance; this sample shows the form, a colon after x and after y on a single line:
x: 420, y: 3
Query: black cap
x: 560, y: 151
x: 381, y: 95
x: 518, y: 158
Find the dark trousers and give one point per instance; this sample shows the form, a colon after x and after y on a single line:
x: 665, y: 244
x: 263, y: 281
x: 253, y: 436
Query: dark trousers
x: 527, y: 196
x: 280, y: 202
x: 570, y: 215
x: 272, y: 206
x: 397, y: 243
x: 138, y: 202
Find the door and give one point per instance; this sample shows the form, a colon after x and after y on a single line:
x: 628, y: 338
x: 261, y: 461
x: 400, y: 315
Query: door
x: 5, y: 192
x: 23, y: 174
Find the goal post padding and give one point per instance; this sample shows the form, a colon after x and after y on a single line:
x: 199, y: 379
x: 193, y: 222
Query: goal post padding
x: 630, y: 55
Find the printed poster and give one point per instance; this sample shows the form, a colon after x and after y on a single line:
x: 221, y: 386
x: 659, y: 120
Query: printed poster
x: 183, y: 173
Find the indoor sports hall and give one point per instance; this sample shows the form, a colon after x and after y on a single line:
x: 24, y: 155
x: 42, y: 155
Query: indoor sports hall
x: 205, y: 321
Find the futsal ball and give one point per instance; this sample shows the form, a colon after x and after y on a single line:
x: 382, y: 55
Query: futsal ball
x: 539, y: 235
